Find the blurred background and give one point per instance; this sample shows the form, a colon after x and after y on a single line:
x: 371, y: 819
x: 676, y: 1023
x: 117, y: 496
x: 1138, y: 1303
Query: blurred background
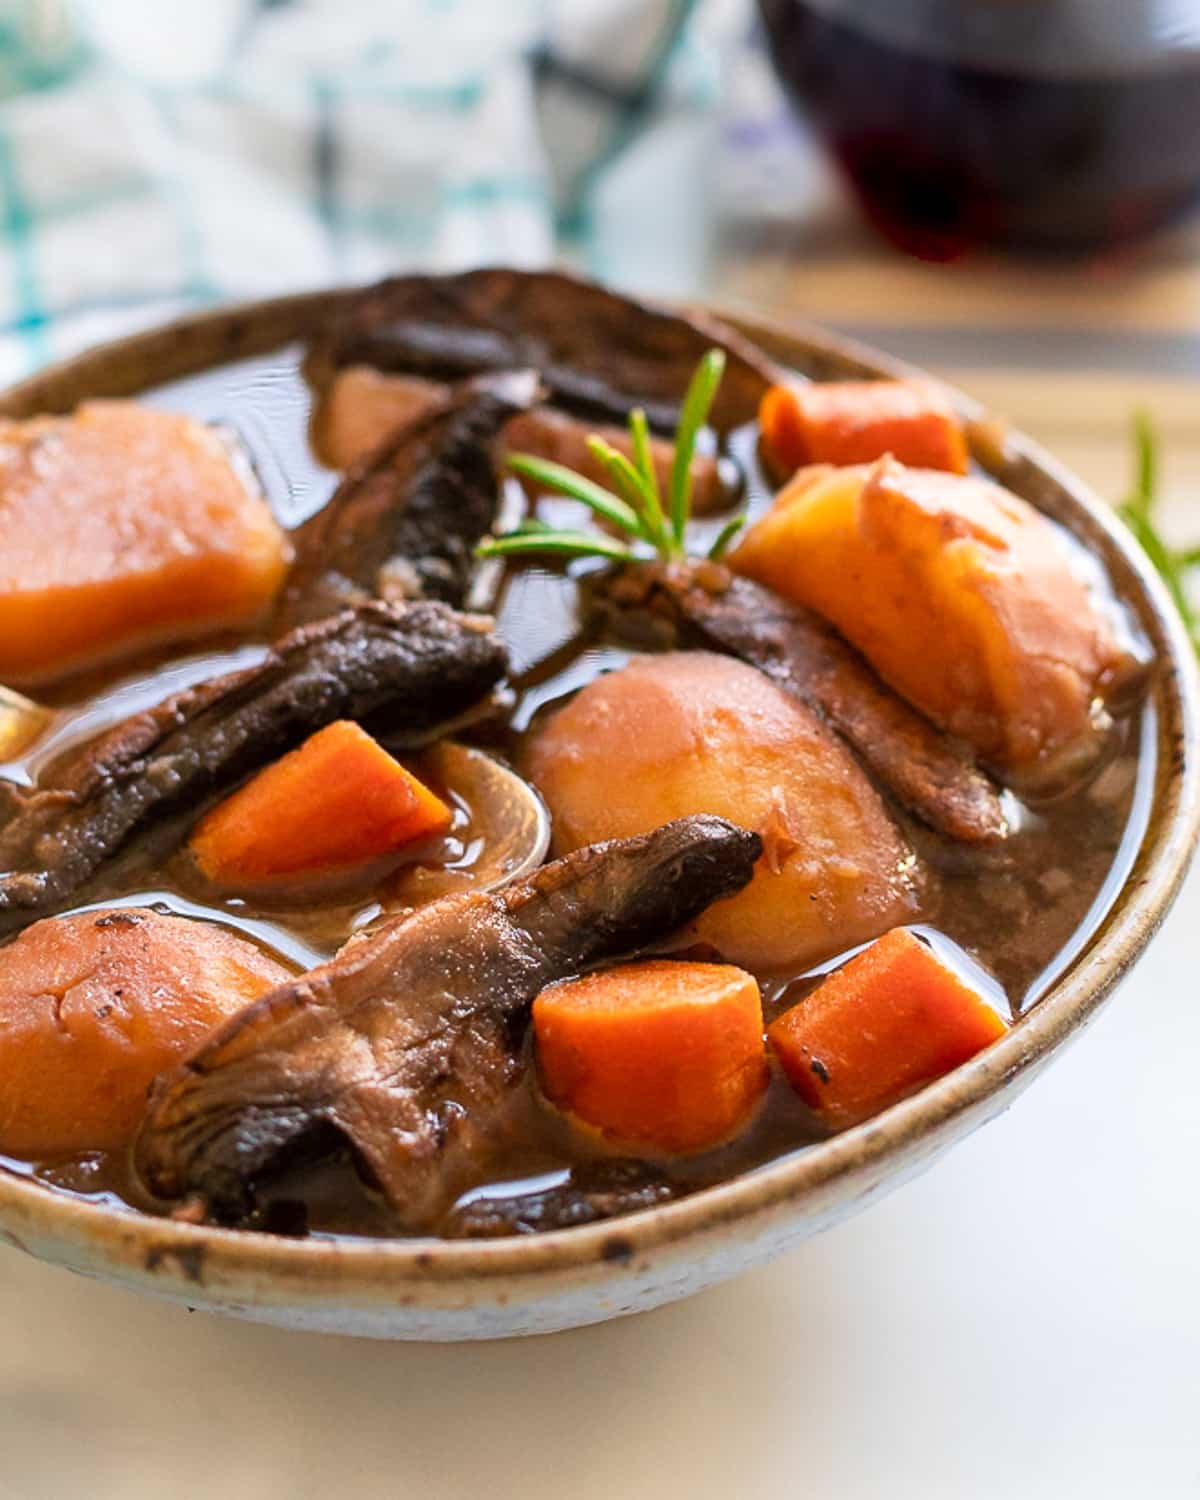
x: 999, y: 189
x: 990, y: 187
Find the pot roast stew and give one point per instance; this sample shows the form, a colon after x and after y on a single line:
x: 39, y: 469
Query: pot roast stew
x: 522, y: 759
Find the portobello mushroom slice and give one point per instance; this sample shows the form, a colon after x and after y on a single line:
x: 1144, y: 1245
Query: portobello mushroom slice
x: 922, y: 768
x: 409, y: 1043
x: 404, y: 523
x: 592, y: 1191
x: 598, y: 353
x: 422, y: 661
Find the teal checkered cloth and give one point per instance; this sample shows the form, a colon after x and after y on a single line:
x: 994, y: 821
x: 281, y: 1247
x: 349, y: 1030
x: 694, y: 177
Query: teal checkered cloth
x: 158, y: 154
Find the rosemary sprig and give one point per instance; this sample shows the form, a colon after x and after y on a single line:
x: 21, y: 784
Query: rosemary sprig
x: 639, y: 430
x: 567, y: 482
x: 639, y: 493
x: 1138, y: 510
x: 562, y: 543
x: 725, y: 537
x: 634, y: 505
x: 692, y: 416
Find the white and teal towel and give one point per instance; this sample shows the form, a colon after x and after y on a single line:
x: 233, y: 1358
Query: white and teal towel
x: 159, y: 154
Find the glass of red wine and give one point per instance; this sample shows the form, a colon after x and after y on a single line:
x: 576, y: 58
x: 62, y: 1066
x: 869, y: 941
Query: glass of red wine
x: 1065, y: 125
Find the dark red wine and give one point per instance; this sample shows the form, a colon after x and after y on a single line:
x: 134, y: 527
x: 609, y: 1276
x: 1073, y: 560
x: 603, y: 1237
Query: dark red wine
x: 1036, y: 122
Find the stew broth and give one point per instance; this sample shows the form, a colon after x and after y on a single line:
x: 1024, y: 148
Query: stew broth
x: 1011, y: 918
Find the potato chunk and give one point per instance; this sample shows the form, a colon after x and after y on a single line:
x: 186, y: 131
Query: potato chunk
x: 121, y: 526
x: 690, y: 732
x: 962, y: 596
x: 93, y: 1006
x: 363, y: 406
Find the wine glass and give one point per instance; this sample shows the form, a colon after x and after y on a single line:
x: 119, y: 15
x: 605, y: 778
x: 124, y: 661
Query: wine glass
x: 1060, y: 124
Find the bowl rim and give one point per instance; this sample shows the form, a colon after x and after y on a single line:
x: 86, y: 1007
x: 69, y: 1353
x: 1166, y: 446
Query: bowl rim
x: 234, y: 1260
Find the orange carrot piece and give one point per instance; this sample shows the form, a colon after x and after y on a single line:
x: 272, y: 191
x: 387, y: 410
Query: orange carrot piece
x: 658, y: 1055
x: 893, y: 1018
x: 339, y: 800
x: 856, y: 421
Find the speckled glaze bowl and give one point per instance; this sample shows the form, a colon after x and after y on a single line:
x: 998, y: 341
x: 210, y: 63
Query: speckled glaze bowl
x: 430, y: 1289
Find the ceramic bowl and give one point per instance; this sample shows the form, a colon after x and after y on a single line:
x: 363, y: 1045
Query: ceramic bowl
x: 430, y: 1289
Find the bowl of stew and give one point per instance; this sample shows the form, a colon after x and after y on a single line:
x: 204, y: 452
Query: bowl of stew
x: 520, y: 803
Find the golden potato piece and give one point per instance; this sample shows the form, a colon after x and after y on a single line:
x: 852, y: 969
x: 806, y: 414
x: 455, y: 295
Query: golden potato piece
x: 362, y: 406
x: 690, y: 732
x: 121, y: 526
x: 962, y: 596
x: 21, y: 722
x: 93, y: 1006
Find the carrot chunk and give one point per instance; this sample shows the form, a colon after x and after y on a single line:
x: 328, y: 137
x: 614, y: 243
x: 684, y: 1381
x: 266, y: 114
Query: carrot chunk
x: 658, y: 1055
x: 94, y: 1005
x: 855, y: 421
x: 339, y: 800
x: 893, y: 1018
x: 121, y: 527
